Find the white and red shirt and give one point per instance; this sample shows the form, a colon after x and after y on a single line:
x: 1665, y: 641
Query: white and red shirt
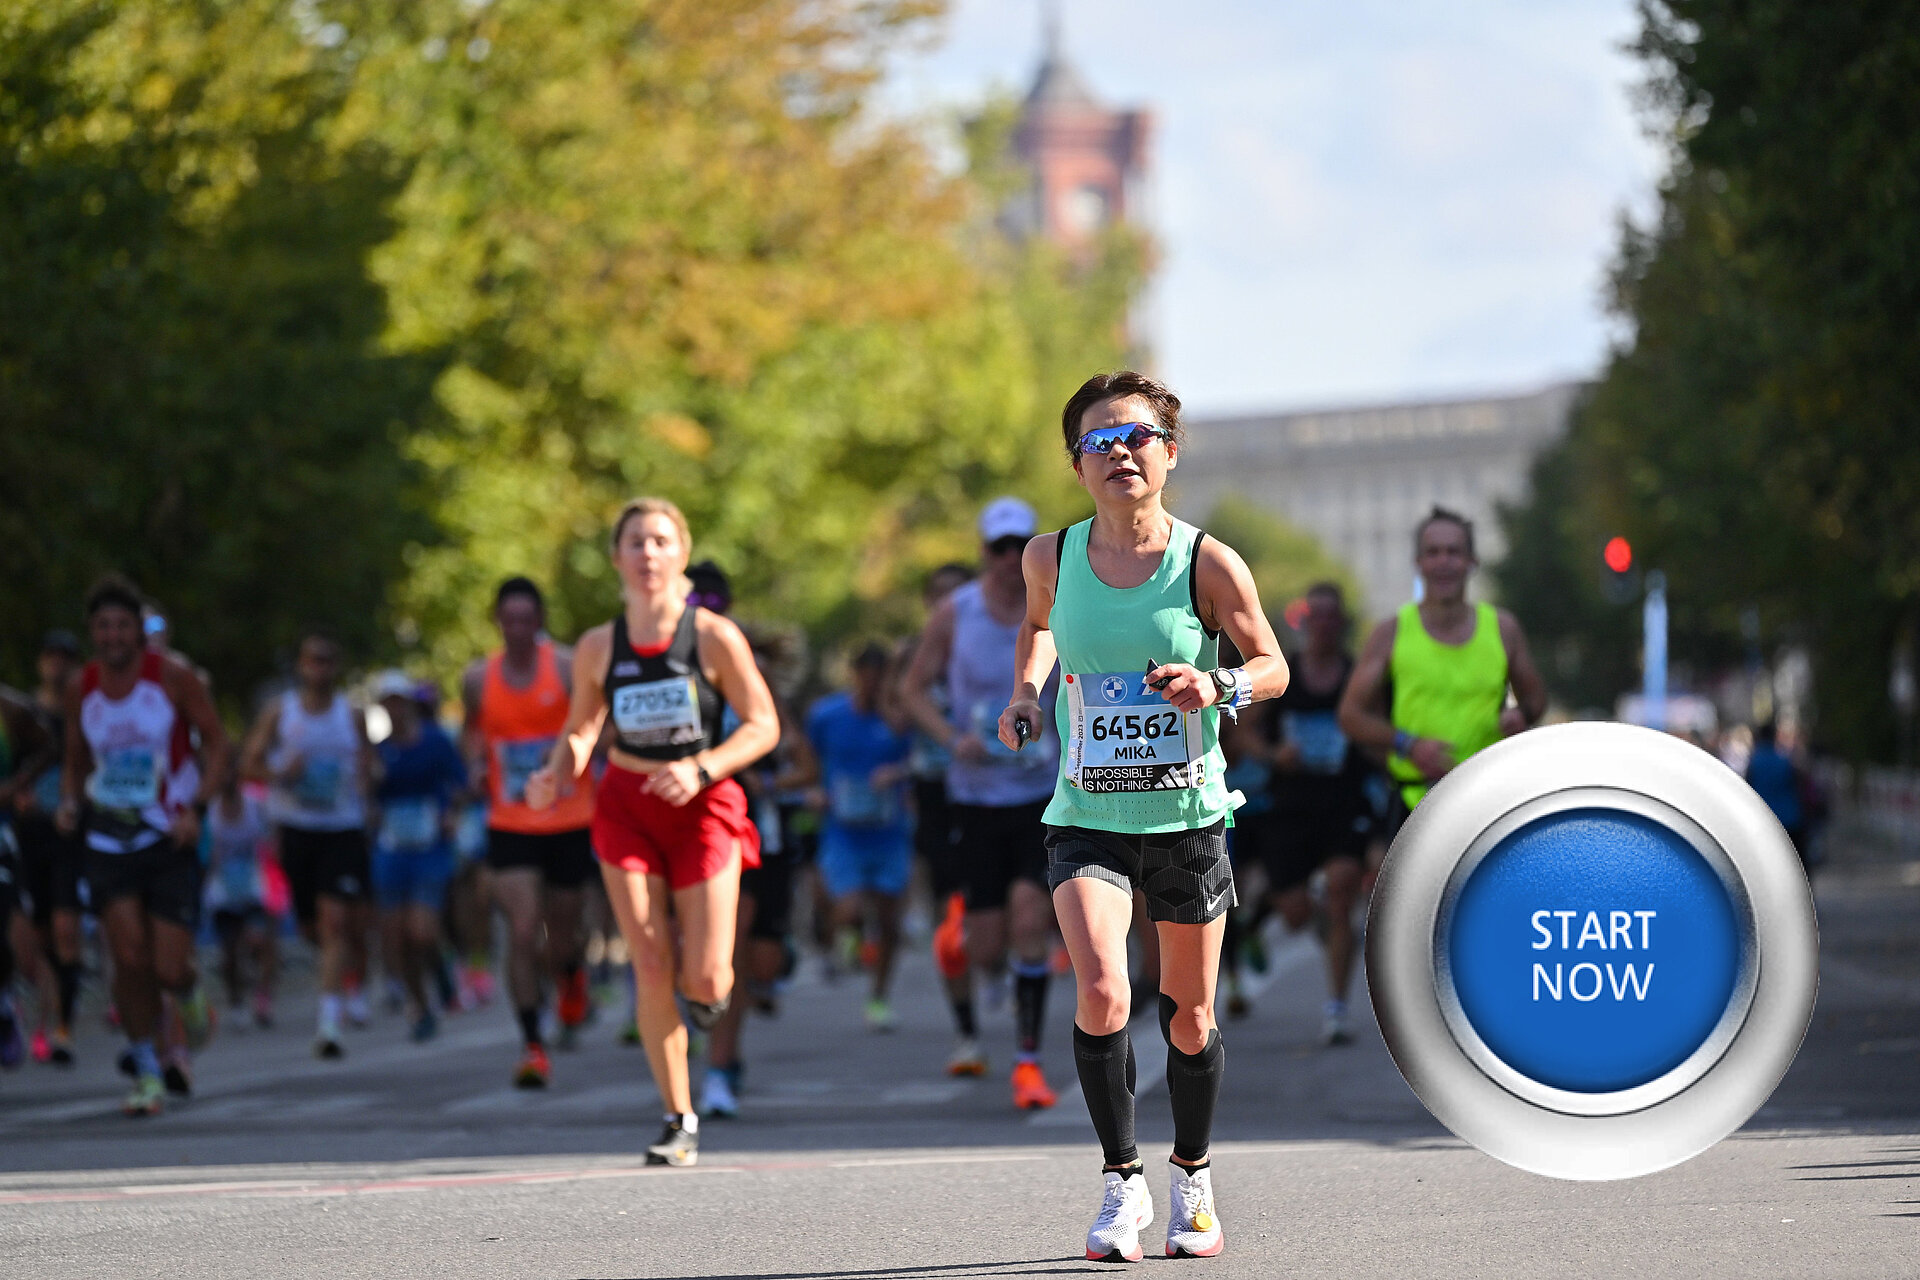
x: 144, y: 770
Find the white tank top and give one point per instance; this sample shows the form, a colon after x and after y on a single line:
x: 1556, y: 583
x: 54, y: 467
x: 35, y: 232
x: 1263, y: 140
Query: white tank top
x: 979, y: 683
x: 326, y: 796
x: 143, y: 765
x: 234, y: 846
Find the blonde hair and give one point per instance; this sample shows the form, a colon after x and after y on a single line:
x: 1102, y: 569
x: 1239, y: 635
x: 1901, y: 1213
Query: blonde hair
x: 651, y: 507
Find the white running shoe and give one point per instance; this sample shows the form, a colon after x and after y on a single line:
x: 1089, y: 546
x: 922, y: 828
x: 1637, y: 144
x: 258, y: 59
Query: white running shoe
x: 1333, y: 1031
x: 717, y: 1097
x: 358, y: 1013
x: 1127, y: 1207
x: 967, y: 1059
x: 1193, y: 1229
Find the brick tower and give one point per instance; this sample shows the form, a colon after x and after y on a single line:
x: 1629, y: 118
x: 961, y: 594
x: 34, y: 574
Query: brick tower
x: 1088, y: 162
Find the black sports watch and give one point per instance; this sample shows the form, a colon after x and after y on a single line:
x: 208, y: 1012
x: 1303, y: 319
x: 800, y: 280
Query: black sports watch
x: 1226, y: 683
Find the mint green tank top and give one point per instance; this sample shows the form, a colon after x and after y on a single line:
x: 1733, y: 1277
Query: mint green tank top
x: 1129, y: 762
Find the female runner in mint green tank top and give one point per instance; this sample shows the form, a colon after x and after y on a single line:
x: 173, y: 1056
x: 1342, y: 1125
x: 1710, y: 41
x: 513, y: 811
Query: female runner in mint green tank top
x: 1132, y: 603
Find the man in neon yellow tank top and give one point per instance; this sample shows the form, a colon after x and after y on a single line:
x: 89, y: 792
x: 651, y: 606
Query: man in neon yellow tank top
x: 1449, y: 664
x: 1133, y: 603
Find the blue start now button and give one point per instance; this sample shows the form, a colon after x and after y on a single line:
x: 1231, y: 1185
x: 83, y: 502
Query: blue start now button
x: 1593, y: 950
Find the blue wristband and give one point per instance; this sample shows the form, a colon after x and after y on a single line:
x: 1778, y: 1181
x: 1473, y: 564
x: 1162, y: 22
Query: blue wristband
x: 1403, y: 742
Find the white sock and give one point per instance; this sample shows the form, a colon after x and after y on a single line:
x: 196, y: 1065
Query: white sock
x: 689, y: 1123
x: 329, y: 1014
x: 1336, y: 1008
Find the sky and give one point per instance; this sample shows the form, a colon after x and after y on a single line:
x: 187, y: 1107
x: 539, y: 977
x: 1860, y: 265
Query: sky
x: 1356, y: 201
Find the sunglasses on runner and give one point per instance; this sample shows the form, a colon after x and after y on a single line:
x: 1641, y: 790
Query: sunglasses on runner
x: 1009, y: 542
x: 1134, y: 435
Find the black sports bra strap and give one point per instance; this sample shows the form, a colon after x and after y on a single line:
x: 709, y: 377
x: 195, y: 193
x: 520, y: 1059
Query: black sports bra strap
x: 1193, y: 582
x: 619, y: 646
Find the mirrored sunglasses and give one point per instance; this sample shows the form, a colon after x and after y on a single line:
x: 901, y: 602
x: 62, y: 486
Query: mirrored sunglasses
x: 1134, y: 435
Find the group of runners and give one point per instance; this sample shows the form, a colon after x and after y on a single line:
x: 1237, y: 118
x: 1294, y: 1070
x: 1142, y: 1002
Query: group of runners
x: 1064, y: 745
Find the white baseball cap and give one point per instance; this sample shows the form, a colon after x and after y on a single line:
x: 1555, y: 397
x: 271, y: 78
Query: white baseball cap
x: 392, y: 683
x: 1007, y: 518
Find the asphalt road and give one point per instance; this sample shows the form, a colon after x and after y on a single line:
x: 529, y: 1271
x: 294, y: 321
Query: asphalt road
x: 856, y: 1157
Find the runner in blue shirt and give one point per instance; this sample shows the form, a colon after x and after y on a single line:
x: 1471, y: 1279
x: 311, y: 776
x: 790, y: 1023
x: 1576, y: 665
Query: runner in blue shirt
x: 866, y: 846
x: 421, y: 776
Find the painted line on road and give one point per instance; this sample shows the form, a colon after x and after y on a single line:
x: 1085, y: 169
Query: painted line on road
x: 268, y: 1188
x: 1070, y: 1109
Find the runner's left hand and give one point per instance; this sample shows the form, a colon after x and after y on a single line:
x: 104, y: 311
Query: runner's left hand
x: 1513, y: 720
x: 186, y: 828
x: 677, y: 783
x: 1188, y: 688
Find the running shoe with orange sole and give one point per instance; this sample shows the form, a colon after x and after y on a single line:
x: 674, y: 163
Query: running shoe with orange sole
x: 573, y: 1006
x: 534, y: 1069
x: 950, y: 939
x: 1030, y: 1090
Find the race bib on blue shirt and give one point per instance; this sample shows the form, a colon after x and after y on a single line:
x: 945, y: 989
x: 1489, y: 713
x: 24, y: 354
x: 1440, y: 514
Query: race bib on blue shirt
x: 518, y: 759
x: 855, y: 802
x: 1323, y: 748
x: 409, y: 825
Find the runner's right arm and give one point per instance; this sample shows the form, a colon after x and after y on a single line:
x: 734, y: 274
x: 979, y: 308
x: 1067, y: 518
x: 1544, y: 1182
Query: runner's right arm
x: 923, y: 672
x: 77, y: 768
x: 253, y: 760
x: 1363, y: 708
x: 1033, y: 650
x: 585, y: 714
x: 36, y: 749
x: 473, y: 743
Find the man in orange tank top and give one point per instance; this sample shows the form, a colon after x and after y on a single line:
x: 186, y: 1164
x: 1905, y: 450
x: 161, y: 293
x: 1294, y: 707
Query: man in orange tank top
x: 516, y: 706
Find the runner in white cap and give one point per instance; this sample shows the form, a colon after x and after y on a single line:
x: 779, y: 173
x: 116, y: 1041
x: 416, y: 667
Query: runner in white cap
x: 996, y: 796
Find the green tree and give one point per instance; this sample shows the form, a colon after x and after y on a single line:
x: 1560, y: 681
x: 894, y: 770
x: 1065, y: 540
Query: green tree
x: 1756, y: 435
x: 189, y: 386
x: 672, y: 251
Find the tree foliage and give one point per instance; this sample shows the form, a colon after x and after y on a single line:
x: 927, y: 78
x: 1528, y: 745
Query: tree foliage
x: 348, y: 309
x: 1758, y: 435
x: 190, y: 385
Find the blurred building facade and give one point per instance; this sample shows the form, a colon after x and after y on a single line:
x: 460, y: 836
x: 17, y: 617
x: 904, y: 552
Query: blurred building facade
x: 1359, y: 479
x: 1088, y: 162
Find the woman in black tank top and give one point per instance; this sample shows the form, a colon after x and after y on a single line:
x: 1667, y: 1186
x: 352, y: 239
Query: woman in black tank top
x: 671, y: 827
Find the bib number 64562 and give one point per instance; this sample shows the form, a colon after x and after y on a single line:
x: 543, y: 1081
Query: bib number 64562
x: 1133, y: 727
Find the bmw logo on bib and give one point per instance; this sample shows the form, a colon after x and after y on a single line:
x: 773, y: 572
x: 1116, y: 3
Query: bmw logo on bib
x: 1592, y: 951
x: 1114, y: 688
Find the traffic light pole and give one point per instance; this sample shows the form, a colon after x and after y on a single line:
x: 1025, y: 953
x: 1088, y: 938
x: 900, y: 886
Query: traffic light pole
x: 1653, y: 622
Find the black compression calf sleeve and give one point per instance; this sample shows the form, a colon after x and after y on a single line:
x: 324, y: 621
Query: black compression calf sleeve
x: 963, y: 1018
x: 1029, y: 1003
x: 1235, y: 933
x: 67, y: 976
x: 1193, y: 1080
x: 1106, y: 1080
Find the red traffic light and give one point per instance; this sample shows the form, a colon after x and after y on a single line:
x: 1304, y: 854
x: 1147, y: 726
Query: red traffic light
x: 1618, y: 554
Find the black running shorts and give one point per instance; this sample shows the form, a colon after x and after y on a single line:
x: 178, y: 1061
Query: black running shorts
x: 1185, y: 874
x: 163, y: 876
x: 1295, y: 844
x: 336, y: 864
x: 50, y: 865
x: 994, y: 845
x: 770, y: 885
x: 564, y: 859
x: 933, y: 839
